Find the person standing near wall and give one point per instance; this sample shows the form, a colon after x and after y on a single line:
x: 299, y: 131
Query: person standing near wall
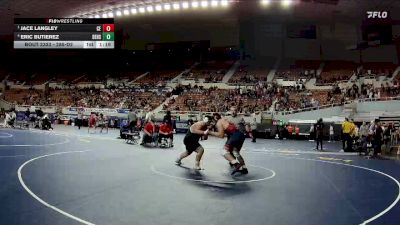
x: 319, y: 133
x: 347, y: 129
x: 79, y: 118
x: 331, y: 133
x: 253, y: 127
x: 378, y: 137
x: 363, y: 133
x: 132, y: 120
x: 312, y: 131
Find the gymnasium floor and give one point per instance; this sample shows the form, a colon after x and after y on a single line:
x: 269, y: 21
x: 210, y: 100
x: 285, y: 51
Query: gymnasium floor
x: 69, y: 177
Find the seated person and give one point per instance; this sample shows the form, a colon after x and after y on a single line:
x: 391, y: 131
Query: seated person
x: 32, y: 120
x: 46, y: 124
x: 39, y: 115
x: 165, y: 132
x: 10, y: 119
x: 149, y: 132
x: 366, y: 144
x: 27, y: 114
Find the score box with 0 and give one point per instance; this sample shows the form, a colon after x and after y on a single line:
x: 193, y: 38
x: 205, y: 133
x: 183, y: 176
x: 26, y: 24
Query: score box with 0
x: 108, y: 27
x: 108, y: 36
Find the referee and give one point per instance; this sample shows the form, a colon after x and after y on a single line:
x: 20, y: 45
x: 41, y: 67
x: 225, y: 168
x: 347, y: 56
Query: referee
x: 347, y: 129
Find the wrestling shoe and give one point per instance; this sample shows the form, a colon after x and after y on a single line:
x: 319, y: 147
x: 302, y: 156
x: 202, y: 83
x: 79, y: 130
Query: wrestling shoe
x: 244, y: 171
x: 178, y: 162
x: 236, y: 168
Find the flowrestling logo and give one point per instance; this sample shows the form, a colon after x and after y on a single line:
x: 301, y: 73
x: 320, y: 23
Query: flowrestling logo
x: 377, y: 14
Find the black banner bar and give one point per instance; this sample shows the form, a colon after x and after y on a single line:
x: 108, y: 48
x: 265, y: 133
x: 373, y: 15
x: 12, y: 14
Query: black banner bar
x: 63, y: 21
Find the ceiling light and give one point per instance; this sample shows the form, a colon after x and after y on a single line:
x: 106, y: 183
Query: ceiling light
x: 150, y: 8
x: 142, y: 10
x: 126, y: 12
x: 97, y: 16
x: 176, y: 6
x: 204, y: 4
x: 134, y: 11
x: 286, y: 3
x: 110, y: 14
x: 104, y: 15
x: 118, y: 13
x: 167, y: 7
x: 185, y: 5
x: 265, y: 2
x: 214, y: 3
x: 224, y: 2
x: 158, y: 8
x: 195, y: 4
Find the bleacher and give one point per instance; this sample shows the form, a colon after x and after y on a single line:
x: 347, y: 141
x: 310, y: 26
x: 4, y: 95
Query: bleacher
x: 131, y: 75
x: 373, y: 69
x: 210, y: 71
x: 218, y: 100
x: 259, y: 98
x: 17, y: 77
x: 144, y: 99
x: 21, y: 96
x: 298, y: 69
x: 65, y: 77
x: 335, y: 71
x: 39, y: 78
x: 157, y: 76
x: 249, y: 74
x: 3, y: 74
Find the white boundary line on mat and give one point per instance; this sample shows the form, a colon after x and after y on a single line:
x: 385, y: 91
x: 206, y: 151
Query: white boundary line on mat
x: 8, y: 135
x: 39, y: 145
x: 218, y: 181
x: 359, y: 167
x: 21, y: 180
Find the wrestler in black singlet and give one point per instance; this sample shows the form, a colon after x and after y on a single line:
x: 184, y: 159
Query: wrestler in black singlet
x: 191, y: 141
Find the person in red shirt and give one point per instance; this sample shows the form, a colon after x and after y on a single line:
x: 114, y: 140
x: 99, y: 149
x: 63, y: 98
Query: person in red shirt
x: 290, y: 130
x: 92, y: 121
x: 149, y: 130
x: 165, y: 132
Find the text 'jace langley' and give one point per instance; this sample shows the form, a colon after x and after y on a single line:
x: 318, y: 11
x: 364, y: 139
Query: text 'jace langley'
x: 41, y: 28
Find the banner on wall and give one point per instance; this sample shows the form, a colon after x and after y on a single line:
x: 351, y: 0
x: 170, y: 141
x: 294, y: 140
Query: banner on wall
x: 45, y: 109
x: 87, y: 111
x: 182, y: 127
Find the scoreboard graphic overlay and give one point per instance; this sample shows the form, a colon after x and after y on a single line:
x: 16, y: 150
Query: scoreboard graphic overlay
x: 69, y: 33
